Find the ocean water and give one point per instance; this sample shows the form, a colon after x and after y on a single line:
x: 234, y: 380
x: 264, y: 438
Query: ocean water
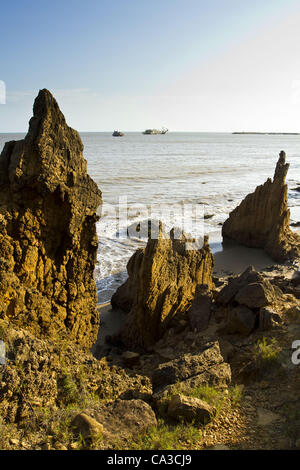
x: 208, y: 172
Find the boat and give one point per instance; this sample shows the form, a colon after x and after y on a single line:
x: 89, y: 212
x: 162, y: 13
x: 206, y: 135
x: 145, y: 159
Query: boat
x: 164, y: 130
x: 118, y: 134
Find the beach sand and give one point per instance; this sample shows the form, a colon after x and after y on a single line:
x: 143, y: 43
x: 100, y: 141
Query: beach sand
x: 111, y: 322
x: 234, y: 259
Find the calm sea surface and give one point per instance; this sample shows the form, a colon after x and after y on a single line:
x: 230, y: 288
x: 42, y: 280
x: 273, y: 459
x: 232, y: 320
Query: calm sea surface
x: 212, y: 171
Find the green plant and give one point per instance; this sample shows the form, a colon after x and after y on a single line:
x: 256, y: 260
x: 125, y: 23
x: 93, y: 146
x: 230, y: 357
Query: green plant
x: 69, y: 392
x: 267, y: 350
x: 167, y: 437
x: 235, y: 394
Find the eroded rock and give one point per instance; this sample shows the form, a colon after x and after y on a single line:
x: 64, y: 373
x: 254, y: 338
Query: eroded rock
x: 262, y: 220
x: 193, y: 370
x: 48, y: 238
x: 161, y: 285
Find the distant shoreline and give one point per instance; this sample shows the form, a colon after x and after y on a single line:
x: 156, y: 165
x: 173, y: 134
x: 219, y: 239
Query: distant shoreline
x: 266, y: 133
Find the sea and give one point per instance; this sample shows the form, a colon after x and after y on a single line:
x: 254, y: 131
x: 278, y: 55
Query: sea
x: 186, y: 179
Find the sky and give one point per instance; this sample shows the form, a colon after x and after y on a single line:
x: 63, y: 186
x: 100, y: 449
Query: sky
x: 189, y: 65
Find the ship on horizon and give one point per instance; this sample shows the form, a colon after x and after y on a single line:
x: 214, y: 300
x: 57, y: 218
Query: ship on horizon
x: 163, y: 130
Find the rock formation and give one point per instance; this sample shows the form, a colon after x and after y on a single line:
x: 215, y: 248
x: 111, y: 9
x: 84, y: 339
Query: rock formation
x: 48, y: 238
x: 262, y: 220
x: 252, y: 303
x: 162, y: 282
x: 193, y: 370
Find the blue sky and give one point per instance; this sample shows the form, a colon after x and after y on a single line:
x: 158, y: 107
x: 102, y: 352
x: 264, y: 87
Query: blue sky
x: 134, y: 64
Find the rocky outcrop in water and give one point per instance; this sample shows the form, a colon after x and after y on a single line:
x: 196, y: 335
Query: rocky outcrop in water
x: 162, y: 283
x: 48, y: 238
x: 262, y: 220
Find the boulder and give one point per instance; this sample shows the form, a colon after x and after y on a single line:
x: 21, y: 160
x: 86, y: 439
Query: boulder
x: 228, y: 293
x: 194, y: 370
x: 123, y: 419
x: 256, y: 295
x: 190, y: 410
x: 161, y: 286
x: 48, y: 240
x: 88, y: 427
x: 262, y: 220
x: 200, y: 311
x: 250, y: 289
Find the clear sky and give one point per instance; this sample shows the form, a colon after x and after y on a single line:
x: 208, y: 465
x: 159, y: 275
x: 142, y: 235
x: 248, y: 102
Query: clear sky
x: 190, y: 65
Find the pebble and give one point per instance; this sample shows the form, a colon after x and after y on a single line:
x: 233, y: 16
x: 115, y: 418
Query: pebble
x: 14, y: 442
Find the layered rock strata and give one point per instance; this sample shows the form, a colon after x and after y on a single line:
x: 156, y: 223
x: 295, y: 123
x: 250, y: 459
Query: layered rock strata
x: 262, y: 220
x: 162, y: 282
x: 48, y: 240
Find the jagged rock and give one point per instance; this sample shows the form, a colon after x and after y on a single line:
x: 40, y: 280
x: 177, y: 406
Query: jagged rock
x: 250, y: 289
x: 262, y: 220
x: 200, y: 311
x: 182, y: 408
x: 194, y: 370
x: 243, y: 293
x: 256, y: 295
x: 161, y: 285
x: 227, y: 294
x: 48, y: 238
x: 268, y: 318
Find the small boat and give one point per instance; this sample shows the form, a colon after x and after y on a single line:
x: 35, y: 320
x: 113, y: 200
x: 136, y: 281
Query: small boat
x: 117, y: 134
x: 164, y: 130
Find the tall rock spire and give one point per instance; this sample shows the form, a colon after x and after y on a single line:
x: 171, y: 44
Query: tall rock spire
x: 262, y: 220
x: 48, y: 238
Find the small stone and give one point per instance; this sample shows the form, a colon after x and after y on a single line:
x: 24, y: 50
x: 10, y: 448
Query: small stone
x: 14, y: 442
x: 190, y: 409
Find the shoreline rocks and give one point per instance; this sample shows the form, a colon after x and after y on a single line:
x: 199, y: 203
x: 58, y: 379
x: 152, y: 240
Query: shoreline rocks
x: 161, y: 285
x: 48, y: 239
x: 262, y: 219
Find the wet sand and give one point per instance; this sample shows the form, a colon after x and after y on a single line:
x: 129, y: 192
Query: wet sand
x: 234, y: 259
x: 111, y: 322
